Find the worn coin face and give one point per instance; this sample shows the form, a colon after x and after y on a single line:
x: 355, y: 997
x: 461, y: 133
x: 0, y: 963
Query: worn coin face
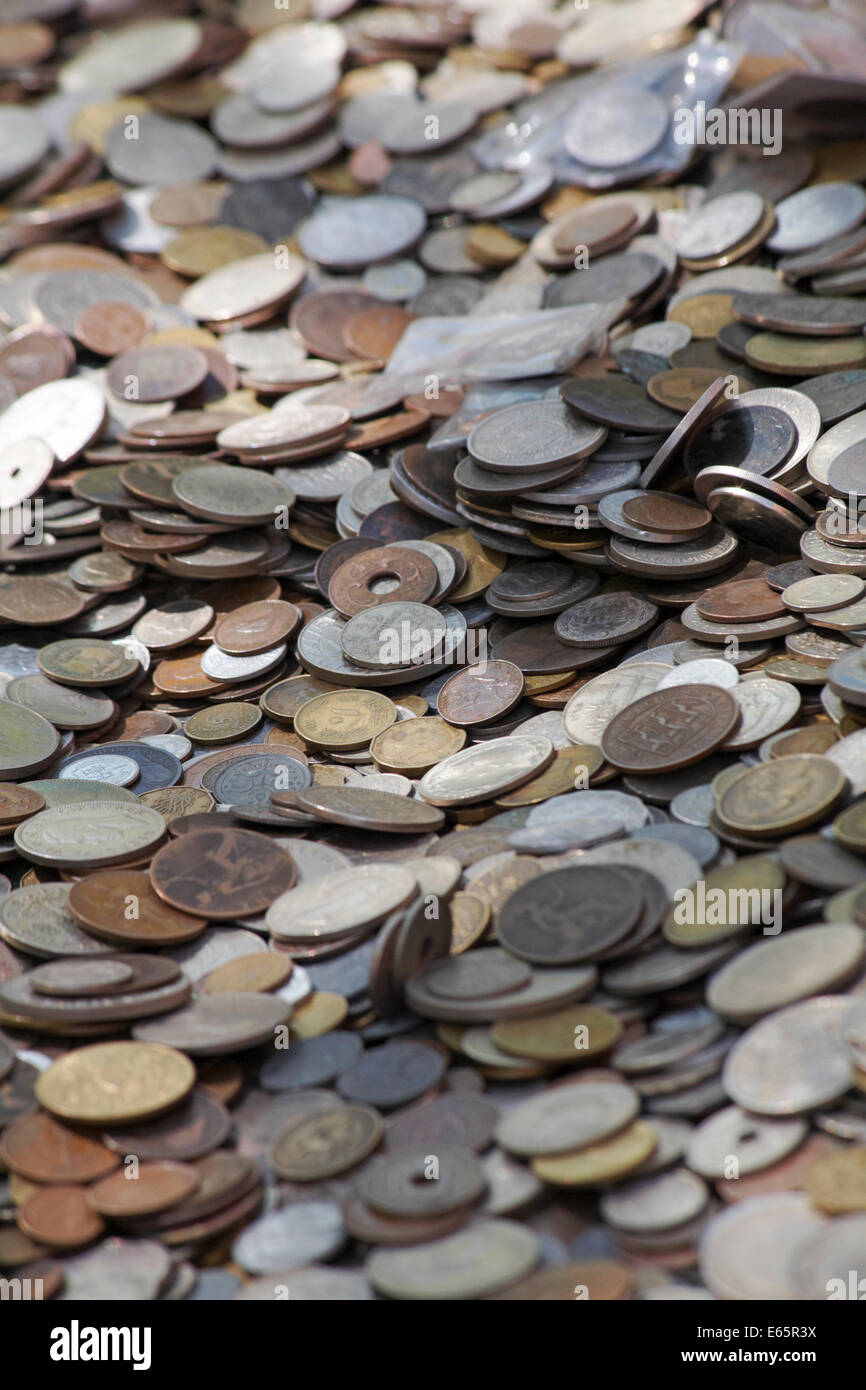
x: 220, y: 874
x: 669, y: 729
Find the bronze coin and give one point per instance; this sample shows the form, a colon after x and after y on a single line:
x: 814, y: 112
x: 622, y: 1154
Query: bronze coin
x: 44, y: 1150
x: 741, y: 601
x: 222, y: 874
x: 143, y: 1191
x: 660, y: 511
x: 480, y: 694
x: 121, y: 906
x: 111, y: 328
x: 256, y: 626
x: 369, y: 810
x: 320, y: 317
x: 60, y: 1217
x: 18, y: 803
x: 373, y: 333
x: 537, y: 649
x: 39, y: 601
x: 352, y: 587
x: 669, y: 729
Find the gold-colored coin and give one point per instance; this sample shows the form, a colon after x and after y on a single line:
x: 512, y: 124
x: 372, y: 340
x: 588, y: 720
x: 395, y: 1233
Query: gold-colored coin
x: 345, y: 719
x: 451, y: 1034
x: 416, y: 704
x: 202, y: 249
x: 836, y: 1182
x: 704, y: 314
x: 789, y: 355
x: 493, y: 246
x: 260, y: 972
x: 470, y: 915
x: 172, y: 802
x: 326, y: 776
x: 483, y: 565
x: 571, y: 767
x: 184, y: 336
x: 680, y: 387
x: 223, y: 723
x: 94, y: 121
x: 335, y: 178
x: 724, y: 902
x: 568, y: 1035
x: 782, y: 796
x: 320, y: 1013
x: 542, y: 685
x: 415, y: 745
x: 115, y: 1082
x: 599, y: 1163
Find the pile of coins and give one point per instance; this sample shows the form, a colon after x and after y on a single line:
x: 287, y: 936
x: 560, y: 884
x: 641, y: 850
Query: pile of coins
x: 432, y: 677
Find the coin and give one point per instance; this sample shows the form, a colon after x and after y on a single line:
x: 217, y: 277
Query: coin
x: 663, y: 730
x: 108, y: 1082
x: 219, y: 873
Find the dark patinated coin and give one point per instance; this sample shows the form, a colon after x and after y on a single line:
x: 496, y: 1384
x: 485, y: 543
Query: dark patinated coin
x: 570, y: 915
x: 604, y: 620
x: 757, y: 438
x: 670, y: 728
x: 369, y: 810
x: 222, y: 874
x: 618, y: 403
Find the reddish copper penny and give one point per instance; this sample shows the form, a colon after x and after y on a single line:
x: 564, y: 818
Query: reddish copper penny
x: 18, y: 803
x: 111, y: 327
x: 44, y: 1150
x: 122, y: 906
x: 150, y: 1188
x: 60, y: 1217
x: 352, y: 588
x: 741, y: 601
x: 375, y: 332
x: 256, y: 626
x: 661, y: 511
x: 222, y: 874
x: 320, y: 317
x: 479, y: 694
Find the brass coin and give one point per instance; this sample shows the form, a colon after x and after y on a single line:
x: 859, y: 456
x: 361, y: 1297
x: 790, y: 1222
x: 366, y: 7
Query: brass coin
x: 601, y: 1163
x: 570, y: 1035
x: 115, y: 1082
x: 782, y: 796
x: 344, y: 719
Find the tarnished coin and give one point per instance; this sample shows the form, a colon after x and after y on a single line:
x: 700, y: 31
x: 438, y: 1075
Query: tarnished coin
x: 221, y: 874
x: 670, y: 729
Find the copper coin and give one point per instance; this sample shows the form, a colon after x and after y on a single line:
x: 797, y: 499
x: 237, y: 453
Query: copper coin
x: 144, y: 1190
x: 669, y: 729
x: 659, y: 511
x: 111, y: 328
x: 480, y: 694
x: 39, y: 601
x: 373, y: 333
x: 741, y: 601
x: 60, y: 1217
x: 256, y: 626
x: 17, y: 803
x: 44, y: 1150
x: 320, y: 317
x: 222, y: 874
x: 403, y: 575
x: 370, y: 810
x: 122, y: 906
